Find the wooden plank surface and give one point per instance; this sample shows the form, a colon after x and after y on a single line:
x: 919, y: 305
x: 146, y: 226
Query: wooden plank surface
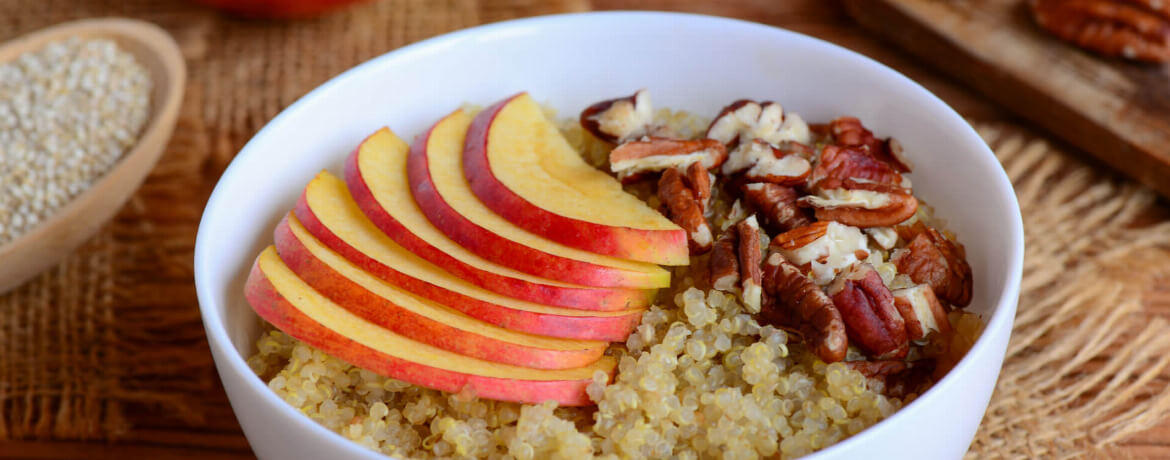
x: 219, y: 437
x: 1117, y: 110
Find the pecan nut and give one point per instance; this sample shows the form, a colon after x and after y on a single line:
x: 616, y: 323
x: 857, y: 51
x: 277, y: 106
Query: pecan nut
x: 867, y: 308
x: 745, y: 120
x: 1133, y: 29
x: 761, y: 162
x: 823, y: 249
x: 856, y: 188
x: 863, y: 208
x: 935, y: 260
x: 800, y: 237
x: 776, y: 206
x: 632, y: 159
x: 849, y: 132
x: 621, y: 119
x: 699, y: 180
x: 683, y: 209
x: 723, y: 265
x: 792, y: 298
x: 848, y: 167
x: 735, y: 262
x: 921, y: 311
x: 751, y: 278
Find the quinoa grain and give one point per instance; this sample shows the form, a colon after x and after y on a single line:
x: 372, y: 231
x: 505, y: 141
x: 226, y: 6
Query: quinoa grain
x: 67, y: 114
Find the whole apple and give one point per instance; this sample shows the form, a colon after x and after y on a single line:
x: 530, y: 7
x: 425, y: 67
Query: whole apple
x: 277, y: 9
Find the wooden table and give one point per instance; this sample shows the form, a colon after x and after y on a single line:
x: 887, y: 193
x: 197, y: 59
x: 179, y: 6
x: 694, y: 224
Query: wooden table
x: 220, y: 437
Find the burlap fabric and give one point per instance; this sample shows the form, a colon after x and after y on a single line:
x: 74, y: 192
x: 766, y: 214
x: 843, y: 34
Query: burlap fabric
x: 109, y: 344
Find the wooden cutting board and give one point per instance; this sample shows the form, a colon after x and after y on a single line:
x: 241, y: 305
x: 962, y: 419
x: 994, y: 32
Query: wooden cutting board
x: 1116, y: 110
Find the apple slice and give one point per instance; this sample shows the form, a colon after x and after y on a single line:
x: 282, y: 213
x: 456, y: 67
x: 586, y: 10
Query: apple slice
x: 278, y: 296
x: 376, y: 176
x: 419, y: 319
x: 327, y: 213
x: 435, y: 169
x: 521, y: 167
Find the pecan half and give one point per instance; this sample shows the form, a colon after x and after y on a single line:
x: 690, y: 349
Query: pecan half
x: 745, y: 120
x: 848, y: 167
x: 776, y: 206
x: 921, y: 311
x: 723, y: 265
x: 750, y: 275
x: 849, y: 132
x: 699, y: 180
x: 621, y: 119
x: 761, y: 162
x: 652, y: 154
x: 823, y: 249
x: 863, y: 208
x: 800, y: 237
x: 735, y: 261
x: 683, y: 209
x: 867, y: 308
x: 1133, y: 29
x: 935, y: 260
x: 855, y: 188
x: 792, y: 298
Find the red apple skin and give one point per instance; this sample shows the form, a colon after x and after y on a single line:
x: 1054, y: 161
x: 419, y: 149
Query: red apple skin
x: 582, y: 298
x: 496, y: 248
x: 267, y: 302
x: 666, y: 247
x: 277, y: 9
x: 383, y: 312
x: 607, y: 328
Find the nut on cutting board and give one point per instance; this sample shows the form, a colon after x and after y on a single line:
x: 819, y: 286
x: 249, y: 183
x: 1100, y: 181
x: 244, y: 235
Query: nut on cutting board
x: 1113, y: 108
x: 70, y: 225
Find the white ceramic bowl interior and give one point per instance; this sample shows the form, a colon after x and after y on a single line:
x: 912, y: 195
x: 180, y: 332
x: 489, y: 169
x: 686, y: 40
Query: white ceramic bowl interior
x: 691, y: 62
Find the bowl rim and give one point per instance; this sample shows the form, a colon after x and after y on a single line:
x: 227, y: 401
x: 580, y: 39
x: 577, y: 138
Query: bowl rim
x: 1004, y: 308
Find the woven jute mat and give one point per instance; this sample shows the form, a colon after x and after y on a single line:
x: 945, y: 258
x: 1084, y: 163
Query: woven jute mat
x: 110, y: 342
x: 1087, y: 364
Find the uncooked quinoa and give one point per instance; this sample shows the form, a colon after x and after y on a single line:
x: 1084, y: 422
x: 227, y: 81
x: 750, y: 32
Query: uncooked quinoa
x: 700, y: 377
x: 68, y: 112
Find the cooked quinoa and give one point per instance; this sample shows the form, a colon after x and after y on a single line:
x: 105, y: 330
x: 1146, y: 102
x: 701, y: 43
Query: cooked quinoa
x: 67, y: 114
x: 698, y: 378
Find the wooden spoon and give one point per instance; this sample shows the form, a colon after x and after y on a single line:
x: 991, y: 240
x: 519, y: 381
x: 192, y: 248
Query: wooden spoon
x: 71, y: 225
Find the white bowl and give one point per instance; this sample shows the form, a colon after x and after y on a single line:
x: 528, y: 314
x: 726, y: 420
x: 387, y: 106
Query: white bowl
x: 692, y: 62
